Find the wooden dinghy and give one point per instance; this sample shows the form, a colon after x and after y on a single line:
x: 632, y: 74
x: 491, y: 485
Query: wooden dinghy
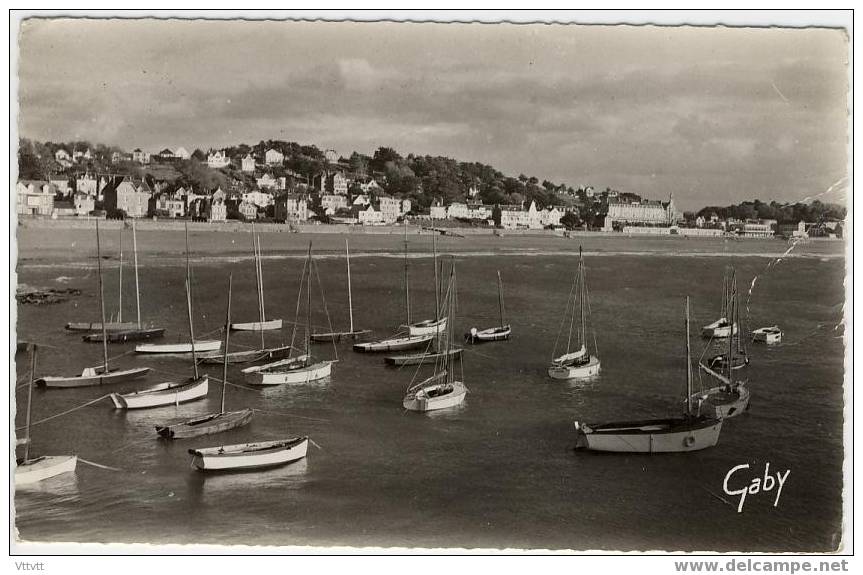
x: 248, y: 456
x: 420, y: 358
x: 93, y: 376
x: 124, y: 336
x: 181, y: 347
x: 767, y: 334
x: 426, y: 327
x: 168, y: 393
x: 205, y: 425
x: 690, y: 432
x: 95, y: 326
x: 395, y: 343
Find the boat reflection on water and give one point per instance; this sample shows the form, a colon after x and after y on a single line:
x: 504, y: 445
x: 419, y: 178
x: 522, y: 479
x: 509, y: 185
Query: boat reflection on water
x: 287, y: 391
x: 225, y: 483
x: 59, y: 489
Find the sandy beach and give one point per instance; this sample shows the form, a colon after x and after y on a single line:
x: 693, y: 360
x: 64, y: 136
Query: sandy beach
x: 60, y: 242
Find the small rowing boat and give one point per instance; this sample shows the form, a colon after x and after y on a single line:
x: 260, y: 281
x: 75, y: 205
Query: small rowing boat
x: 767, y: 334
x: 247, y: 456
x: 395, y: 343
x: 203, y: 345
x: 124, y: 336
x: 168, y: 393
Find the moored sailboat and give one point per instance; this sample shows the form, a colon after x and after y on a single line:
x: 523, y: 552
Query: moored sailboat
x: 691, y: 432
x: 213, y: 422
x: 249, y: 456
x: 352, y: 333
x: 262, y: 324
x: 30, y: 471
x: 736, y: 347
x: 432, y: 326
x: 496, y: 333
x: 442, y: 390
x: 96, y: 375
x: 580, y: 363
x: 722, y: 327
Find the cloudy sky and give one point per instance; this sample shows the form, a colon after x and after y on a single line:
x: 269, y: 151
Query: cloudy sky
x: 713, y: 115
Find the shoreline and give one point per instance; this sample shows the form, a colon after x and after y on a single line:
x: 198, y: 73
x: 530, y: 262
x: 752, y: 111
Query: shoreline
x: 164, y: 243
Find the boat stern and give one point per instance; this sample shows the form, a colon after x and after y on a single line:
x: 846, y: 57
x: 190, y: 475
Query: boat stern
x: 117, y: 399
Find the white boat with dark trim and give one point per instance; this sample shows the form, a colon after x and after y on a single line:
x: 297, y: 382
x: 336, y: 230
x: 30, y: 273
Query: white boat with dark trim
x: 767, y: 334
x: 31, y: 471
x: 247, y: 355
x: 498, y: 333
x: 168, y: 393
x: 395, y: 343
x: 179, y: 347
x: 426, y: 327
x: 578, y: 364
x: 351, y: 334
x: 720, y: 328
x: 248, y: 456
x: 691, y: 432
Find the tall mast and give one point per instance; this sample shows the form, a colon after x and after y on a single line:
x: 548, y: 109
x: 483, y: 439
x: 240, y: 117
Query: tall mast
x: 227, y: 338
x: 102, y: 300
x: 350, y: 298
x: 581, y: 296
x: 450, y: 322
x: 137, y: 288
x: 309, y: 305
x: 500, y: 297
x: 407, y: 280
x: 688, y: 365
x: 436, y: 282
x: 120, y: 302
x: 189, y: 303
x: 261, y: 277
x: 259, y: 274
x: 731, y: 305
x: 29, y: 401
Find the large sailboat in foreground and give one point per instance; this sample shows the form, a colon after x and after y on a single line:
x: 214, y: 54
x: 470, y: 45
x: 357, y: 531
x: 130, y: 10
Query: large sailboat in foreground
x: 579, y: 363
x: 443, y: 389
x: 689, y: 432
x: 96, y: 375
x: 29, y: 471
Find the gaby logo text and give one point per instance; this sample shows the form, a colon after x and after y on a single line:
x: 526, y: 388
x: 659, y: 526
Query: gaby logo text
x: 755, y: 486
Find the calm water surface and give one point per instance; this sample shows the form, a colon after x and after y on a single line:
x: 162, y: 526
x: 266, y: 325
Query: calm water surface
x: 501, y: 470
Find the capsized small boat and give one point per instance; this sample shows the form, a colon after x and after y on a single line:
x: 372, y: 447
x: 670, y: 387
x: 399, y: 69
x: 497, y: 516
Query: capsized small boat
x: 423, y: 358
x: 123, y: 336
x: 180, y: 347
x: 31, y: 471
x: 247, y: 456
x: 767, y: 334
x: 168, y: 393
x: 93, y: 376
x: 395, y: 343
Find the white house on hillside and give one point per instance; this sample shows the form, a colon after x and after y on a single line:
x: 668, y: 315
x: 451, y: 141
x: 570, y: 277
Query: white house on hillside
x: 248, y: 163
x: 274, y: 157
x: 218, y: 159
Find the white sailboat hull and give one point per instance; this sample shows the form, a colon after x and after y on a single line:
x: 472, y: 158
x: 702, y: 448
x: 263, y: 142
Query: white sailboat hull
x: 206, y: 345
x: 562, y: 371
x: 767, y: 335
x: 250, y: 455
x: 427, y: 327
x: 268, y: 325
x: 425, y: 398
x: 726, y: 401
x: 92, y: 376
x: 169, y: 393
x: 654, y: 436
x: 490, y: 334
x: 42, y: 468
x: 719, y: 329
x: 295, y: 373
x: 97, y: 326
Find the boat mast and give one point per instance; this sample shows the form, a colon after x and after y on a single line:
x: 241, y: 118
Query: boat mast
x: 309, y: 306
x: 29, y: 401
x: 350, y: 299
x: 259, y: 280
x: 137, y: 288
x: 500, y: 297
x: 102, y: 300
x: 732, y: 285
x: 449, y: 327
x: 407, y: 280
x: 688, y: 365
x: 227, y: 338
x: 189, y: 304
x: 436, y: 279
x: 581, y: 295
x: 120, y: 302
